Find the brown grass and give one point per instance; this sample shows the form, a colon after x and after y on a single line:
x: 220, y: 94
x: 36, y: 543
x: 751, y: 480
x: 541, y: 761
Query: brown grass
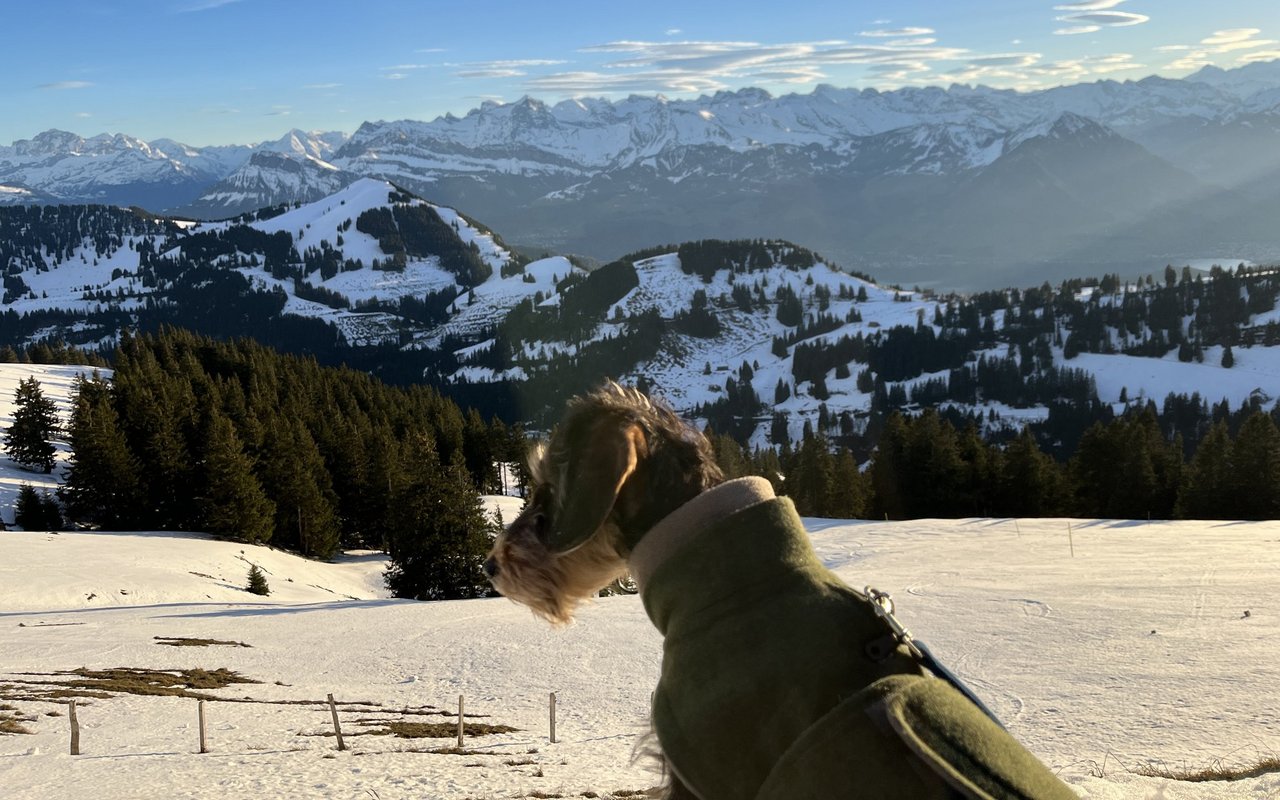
x: 1217, y: 771
x: 105, y: 683
x: 436, y: 730
x: 182, y: 641
x: 11, y: 721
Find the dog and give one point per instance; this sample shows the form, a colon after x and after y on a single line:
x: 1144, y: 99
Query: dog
x: 778, y: 681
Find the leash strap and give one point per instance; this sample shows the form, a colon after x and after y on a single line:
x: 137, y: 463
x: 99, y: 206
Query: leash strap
x: 881, y: 648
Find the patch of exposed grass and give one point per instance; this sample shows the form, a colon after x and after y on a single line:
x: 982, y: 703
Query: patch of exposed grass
x: 11, y: 721
x: 104, y: 683
x: 437, y: 730
x: 182, y: 641
x: 127, y: 680
x: 1217, y: 771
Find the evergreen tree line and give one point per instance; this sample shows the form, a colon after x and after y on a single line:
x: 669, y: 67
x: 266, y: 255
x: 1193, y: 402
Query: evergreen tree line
x: 237, y: 440
x: 1128, y: 468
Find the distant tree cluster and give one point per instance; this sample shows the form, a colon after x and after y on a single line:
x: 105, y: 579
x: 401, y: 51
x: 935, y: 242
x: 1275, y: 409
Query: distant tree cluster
x: 1126, y: 469
x: 234, y: 439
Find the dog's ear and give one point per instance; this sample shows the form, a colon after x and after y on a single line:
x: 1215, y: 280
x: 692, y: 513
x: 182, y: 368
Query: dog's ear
x: 605, y: 456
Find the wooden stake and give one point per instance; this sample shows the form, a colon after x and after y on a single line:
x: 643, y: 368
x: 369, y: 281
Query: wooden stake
x: 75, y: 728
x: 553, y: 717
x: 1071, y: 540
x: 1017, y: 527
x: 203, y: 746
x: 337, y: 729
x: 459, y: 722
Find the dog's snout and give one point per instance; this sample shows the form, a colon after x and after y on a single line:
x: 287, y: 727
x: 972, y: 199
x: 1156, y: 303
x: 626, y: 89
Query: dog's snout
x: 491, y: 567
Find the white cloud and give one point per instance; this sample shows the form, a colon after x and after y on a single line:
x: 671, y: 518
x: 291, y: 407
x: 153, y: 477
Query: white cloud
x: 882, y: 33
x: 1078, y: 29
x: 658, y: 80
x: 1109, y: 19
x: 490, y: 73
x: 84, y: 115
x: 1213, y: 48
x: 1006, y: 60
x: 394, y: 76
x: 320, y: 86
x: 1231, y: 36
x: 66, y: 85
x: 1248, y: 45
x: 1088, y: 5
x: 431, y: 50
x: 673, y: 32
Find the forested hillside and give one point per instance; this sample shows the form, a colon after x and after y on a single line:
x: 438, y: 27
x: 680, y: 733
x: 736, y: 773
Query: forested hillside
x: 234, y: 439
x: 755, y: 338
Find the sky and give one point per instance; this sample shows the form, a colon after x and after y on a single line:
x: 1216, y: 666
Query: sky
x: 208, y: 72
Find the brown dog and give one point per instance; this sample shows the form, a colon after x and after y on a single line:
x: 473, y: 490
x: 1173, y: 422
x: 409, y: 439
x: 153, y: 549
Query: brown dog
x: 615, y: 466
x: 779, y: 682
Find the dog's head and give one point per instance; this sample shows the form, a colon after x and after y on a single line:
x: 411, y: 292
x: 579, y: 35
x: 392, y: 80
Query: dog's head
x: 615, y: 465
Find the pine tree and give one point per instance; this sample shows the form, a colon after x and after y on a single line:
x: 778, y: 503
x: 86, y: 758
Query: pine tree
x: 1030, y: 482
x: 35, y: 419
x: 257, y: 582
x: 101, y: 484
x: 232, y: 502
x: 440, y: 536
x: 887, y: 472
x: 294, y: 474
x: 28, y: 511
x: 1255, y: 469
x: 1206, y: 488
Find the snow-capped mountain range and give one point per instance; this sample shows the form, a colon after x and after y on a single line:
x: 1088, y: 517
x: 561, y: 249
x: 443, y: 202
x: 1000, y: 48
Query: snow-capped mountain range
x: 891, y: 182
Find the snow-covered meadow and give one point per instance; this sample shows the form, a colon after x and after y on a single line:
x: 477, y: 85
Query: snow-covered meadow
x: 1103, y: 645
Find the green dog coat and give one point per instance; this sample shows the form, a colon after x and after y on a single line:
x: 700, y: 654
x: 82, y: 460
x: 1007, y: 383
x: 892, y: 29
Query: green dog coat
x: 768, y: 690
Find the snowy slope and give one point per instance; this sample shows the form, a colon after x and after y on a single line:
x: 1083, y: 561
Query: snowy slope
x: 1131, y: 652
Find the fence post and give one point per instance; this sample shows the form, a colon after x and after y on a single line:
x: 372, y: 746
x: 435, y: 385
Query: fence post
x: 459, y: 722
x: 1071, y: 540
x: 75, y: 728
x: 337, y: 729
x: 553, y: 717
x: 203, y: 747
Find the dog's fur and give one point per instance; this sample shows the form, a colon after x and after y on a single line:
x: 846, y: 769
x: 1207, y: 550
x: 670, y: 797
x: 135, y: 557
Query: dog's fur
x: 616, y: 465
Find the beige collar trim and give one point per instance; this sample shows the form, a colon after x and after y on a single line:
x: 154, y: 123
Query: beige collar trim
x: 693, y: 519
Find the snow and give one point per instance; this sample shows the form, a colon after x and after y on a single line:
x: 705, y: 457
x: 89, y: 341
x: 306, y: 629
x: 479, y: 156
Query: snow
x: 1257, y: 369
x: 1134, y: 649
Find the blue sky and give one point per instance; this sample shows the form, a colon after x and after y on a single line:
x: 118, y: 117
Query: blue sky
x: 240, y: 71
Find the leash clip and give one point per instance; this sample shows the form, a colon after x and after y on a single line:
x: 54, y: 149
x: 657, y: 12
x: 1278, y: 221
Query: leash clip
x: 880, y: 649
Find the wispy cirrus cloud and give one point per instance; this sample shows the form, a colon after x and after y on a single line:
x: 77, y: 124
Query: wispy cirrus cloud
x: 60, y: 85
x: 1090, y: 16
x: 705, y: 66
x: 509, y: 68
x: 881, y: 33
x: 1221, y: 47
x: 322, y: 86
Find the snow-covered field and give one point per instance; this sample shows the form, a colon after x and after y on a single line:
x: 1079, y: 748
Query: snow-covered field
x: 1152, y: 643
x: 1136, y: 649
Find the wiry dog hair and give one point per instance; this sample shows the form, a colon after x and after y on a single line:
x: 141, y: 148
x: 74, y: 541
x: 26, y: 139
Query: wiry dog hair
x: 618, y: 463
